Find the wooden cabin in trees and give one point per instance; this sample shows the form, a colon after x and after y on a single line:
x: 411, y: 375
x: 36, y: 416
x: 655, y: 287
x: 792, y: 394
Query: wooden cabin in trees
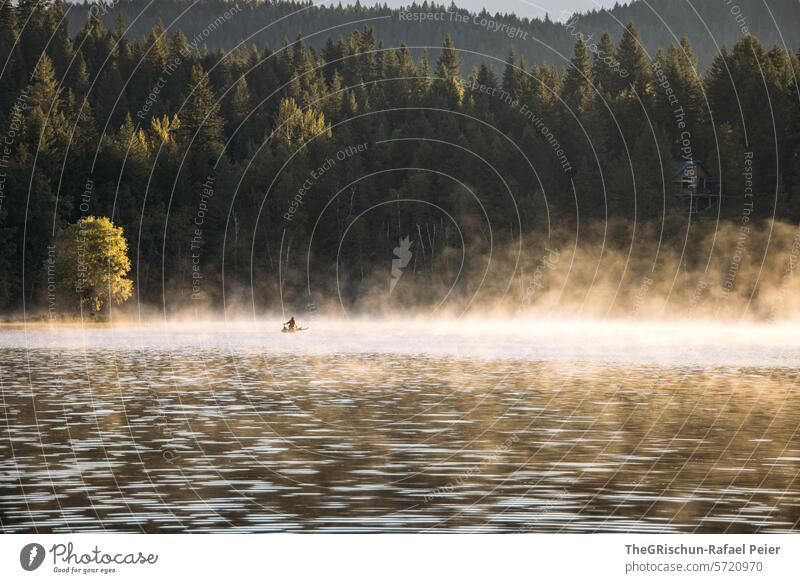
x: 699, y: 192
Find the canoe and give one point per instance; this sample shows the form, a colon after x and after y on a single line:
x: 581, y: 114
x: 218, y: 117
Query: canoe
x: 293, y: 330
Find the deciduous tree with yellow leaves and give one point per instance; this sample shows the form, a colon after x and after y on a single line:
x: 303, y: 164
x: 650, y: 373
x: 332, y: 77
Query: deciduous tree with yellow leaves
x: 92, y: 264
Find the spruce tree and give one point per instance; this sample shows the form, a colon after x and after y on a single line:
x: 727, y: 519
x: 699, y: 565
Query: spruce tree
x: 201, y: 125
x: 510, y: 75
x: 633, y: 60
x: 13, y: 77
x: 576, y: 88
x: 605, y: 66
x: 60, y: 47
x: 448, y: 84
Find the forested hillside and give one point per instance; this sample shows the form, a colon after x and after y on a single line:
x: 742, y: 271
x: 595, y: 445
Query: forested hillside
x: 708, y: 25
x: 259, y: 174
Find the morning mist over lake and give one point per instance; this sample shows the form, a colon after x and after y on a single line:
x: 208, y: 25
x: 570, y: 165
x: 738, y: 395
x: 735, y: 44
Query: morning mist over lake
x: 284, y: 267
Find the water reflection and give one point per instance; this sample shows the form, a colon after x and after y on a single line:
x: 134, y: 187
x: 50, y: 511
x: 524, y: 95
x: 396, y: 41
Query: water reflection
x: 159, y: 439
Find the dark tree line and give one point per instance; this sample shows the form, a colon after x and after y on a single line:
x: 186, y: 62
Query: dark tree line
x: 708, y: 25
x: 233, y: 171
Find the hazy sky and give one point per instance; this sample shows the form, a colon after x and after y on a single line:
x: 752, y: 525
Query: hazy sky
x: 558, y: 9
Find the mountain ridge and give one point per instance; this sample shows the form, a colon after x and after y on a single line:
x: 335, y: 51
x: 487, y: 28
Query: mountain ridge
x: 539, y: 41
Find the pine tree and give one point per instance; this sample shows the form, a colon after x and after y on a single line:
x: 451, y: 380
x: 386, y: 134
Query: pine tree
x: 45, y: 121
x: 32, y: 17
x: 633, y: 60
x: 525, y: 82
x: 366, y: 50
x: 235, y: 112
x: 201, y: 124
x: 448, y: 72
x: 94, y: 44
x: 576, y: 88
x: 511, y: 75
x: 424, y: 75
x: 155, y: 56
x: 483, y: 101
x: 605, y: 66
x: 60, y: 47
x: 78, y: 78
x: 332, y: 54
x: 406, y: 72
x: 13, y: 77
x: 237, y: 104
x: 679, y: 69
x: 332, y: 105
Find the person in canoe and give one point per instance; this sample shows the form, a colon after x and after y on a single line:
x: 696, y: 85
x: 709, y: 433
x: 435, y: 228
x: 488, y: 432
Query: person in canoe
x: 291, y: 326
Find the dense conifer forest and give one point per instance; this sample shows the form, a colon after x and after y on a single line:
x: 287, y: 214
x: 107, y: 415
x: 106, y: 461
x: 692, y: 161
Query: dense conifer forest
x: 708, y: 25
x: 249, y: 163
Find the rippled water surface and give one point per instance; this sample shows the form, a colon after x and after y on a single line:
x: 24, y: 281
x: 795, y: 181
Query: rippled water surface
x: 398, y: 428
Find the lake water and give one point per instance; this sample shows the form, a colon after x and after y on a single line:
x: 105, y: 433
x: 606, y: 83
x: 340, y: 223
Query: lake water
x: 400, y: 427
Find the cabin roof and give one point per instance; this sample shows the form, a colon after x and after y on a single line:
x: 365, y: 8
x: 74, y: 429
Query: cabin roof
x: 680, y: 167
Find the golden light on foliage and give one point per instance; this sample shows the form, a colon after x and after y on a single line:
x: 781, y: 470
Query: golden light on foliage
x: 295, y: 126
x: 92, y: 264
x: 165, y: 127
